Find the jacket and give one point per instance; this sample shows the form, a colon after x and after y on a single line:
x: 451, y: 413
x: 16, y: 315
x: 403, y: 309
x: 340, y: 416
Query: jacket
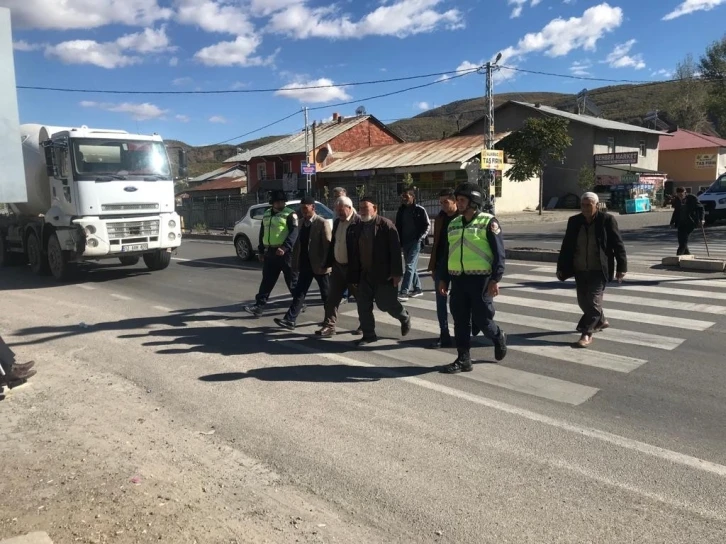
x: 496, y: 245
x: 687, y: 214
x: 440, y: 239
x: 420, y: 219
x: 609, y: 240
x: 292, y: 222
x: 318, y: 246
x: 352, y: 247
x: 386, y: 252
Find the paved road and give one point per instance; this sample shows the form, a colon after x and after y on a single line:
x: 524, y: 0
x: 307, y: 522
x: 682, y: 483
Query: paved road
x: 620, y: 443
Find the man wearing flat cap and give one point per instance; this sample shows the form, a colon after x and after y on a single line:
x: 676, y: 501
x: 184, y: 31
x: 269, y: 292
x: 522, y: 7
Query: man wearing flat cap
x: 309, y: 256
x: 590, y: 250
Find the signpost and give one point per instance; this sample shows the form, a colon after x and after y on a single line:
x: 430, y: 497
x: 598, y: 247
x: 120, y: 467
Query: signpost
x: 605, y: 159
x: 492, y: 159
x: 307, y: 169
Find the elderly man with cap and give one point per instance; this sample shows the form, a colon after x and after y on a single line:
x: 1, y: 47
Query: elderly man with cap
x: 590, y: 250
x: 278, y: 234
x: 309, y: 260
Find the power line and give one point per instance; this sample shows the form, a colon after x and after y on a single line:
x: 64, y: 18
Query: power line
x: 261, y: 128
x: 242, y: 91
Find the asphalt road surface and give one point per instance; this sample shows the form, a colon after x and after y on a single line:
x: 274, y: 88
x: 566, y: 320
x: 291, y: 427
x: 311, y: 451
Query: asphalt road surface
x: 623, y: 442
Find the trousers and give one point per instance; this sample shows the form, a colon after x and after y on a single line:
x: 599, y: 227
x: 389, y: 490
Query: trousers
x: 411, y: 281
x: 299, y: 292
x: 272, y: 266
x: 385, y: 295
x: 442, y: 310
x: 7, y: 357
x: 470, y: 303
x: 683, y: 235
x: 590, y: 290
x: 338, y: 285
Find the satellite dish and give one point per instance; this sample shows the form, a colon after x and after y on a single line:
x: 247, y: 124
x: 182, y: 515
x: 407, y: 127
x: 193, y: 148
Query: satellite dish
x: 360, y: 110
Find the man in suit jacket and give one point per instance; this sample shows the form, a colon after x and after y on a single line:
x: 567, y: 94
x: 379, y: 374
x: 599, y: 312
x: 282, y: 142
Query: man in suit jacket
x: 590, y: 250
x: 375, y: 268
x: 688, y: 213
x: 309, y: 260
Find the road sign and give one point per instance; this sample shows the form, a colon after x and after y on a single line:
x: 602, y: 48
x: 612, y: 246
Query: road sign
x: 492, y: 159
x: 603, y: 159
x: 307, y: 168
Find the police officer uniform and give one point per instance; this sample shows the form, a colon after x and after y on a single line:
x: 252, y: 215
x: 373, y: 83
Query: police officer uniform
x: 277, y: 235
x: 476, y: 259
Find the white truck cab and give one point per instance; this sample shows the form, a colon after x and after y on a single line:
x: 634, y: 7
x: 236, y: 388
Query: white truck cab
x: 714, y: 200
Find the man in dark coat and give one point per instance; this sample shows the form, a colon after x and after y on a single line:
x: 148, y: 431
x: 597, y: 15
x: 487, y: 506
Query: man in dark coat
x: 688, y: 214
x: 590, y: 250
x: 375, y: 269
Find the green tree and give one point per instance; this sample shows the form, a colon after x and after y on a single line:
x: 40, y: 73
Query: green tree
x: 713, y: 68
x: 541, y: 141
x: 690, y: 101
x: 586, y: 178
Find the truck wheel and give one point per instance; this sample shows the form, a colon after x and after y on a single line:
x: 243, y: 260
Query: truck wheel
x: 243, y: 247
x: 129, y: 261
x: 158, y: 260
x: 37, y: 259
x: 58, y: 260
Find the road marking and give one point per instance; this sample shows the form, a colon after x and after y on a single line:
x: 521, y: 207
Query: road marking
x: 589, y: 432
x: 613, y: 335
x: 86, y: 287
x: 163, y: 309
x: 217, y: 265
x: 678, y: 280
x: 651, y: 319
x: 120, y: 297
x: 621, y: 299
x: 597, y: 359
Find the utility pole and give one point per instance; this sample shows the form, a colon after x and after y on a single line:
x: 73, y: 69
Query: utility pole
x: 307, y: 153
x: 490, y: 175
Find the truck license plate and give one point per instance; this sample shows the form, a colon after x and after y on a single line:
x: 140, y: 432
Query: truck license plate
x: 137, y: 247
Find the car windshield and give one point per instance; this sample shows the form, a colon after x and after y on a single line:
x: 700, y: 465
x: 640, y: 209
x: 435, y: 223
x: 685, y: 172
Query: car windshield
x: 718, y: 186
x: 119, y: 159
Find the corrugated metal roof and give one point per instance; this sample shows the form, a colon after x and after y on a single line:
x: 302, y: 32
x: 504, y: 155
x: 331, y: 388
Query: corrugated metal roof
x: 295, y: 143
x: 687, y: 139
x: 587, y: 119
x: 458, y: 149
x: 218, y: 172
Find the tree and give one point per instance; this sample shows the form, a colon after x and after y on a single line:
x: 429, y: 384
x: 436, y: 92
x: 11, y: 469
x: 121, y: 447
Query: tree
x: 688, y: 108
x: 586, y: 178
x: 540, y: 141
x: 713, y: 68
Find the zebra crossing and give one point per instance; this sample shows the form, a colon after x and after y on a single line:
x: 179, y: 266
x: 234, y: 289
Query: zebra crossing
x: 654, y: 255
x: 651, y: 316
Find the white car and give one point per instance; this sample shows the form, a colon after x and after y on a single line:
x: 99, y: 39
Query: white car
x: 247, y: 230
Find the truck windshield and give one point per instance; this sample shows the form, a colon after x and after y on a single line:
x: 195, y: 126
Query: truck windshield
x: 718, y: 186
x: 94, y: 158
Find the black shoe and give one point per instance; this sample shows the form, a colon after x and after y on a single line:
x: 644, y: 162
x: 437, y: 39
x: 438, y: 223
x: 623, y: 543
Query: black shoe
x: 417, y: 293
x: 285, y: 323
x: 462, y: 364
x: 357, y: 332
x: 500, y: 347
x: 403, y: 297
x: 406, y: 326
x: 366, y: 340
x: 253, y: 309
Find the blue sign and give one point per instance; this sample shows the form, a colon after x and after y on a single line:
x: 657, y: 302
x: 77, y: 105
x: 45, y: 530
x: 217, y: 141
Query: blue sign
x: 307, y: 168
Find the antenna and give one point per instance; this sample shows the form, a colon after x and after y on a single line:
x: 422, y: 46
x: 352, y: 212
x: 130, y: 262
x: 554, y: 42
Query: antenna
x: 654, y: 118
x: 586, y: 106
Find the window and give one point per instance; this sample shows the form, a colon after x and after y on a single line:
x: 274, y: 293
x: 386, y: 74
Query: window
x: 323, y: 211
x: 120, y: 158
x: 257, y: 213
x: 286, y: 167
x: 718, y: 186
x: 611, y: 144
x: 261, y: 171
x: 642, y: 148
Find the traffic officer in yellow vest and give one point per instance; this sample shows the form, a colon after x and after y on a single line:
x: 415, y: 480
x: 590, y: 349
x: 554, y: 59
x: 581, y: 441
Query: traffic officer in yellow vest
x: 474, y: 267
x: 277, y: 237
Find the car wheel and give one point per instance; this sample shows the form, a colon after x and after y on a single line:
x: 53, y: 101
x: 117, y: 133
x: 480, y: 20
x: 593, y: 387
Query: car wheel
x: 243, y: 247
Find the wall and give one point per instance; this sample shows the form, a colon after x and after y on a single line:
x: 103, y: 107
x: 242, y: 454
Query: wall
x: 629, y: 141
x: 365, y: 134
x: 517, y: 197
x: 273, y: 167
x: 680, y: 165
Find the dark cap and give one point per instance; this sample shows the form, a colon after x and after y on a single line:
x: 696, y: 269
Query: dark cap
x: 308, y: 200
x: 369, y: 199
x: 277, y: 196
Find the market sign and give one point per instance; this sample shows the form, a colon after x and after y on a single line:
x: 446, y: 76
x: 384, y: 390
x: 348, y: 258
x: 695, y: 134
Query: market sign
x: 706, y: 160
x: 604, y: 159
x: 492, y: 159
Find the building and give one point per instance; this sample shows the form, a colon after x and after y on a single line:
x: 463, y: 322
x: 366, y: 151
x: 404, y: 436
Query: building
x: 229, y: 186
x: 692, y: 160
x: 635, y: 148
x: 228, y: 171
x: 432, y: 165
x: 278, y: 165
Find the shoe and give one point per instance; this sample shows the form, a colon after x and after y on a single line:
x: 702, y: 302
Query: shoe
x: 23, y: 367
x: 403, y: 297
x: 500, y: 348
x: 16, y: 375
x: 326, y: 332
x: 366, y: 340
x: 357, y: 332
x: 443, y: 341
x: 602, y: 326
x: 253, y: 309
x: 406, y: 326
x: 285, y: 323
x: 584, y: 341
x: 462, y: 364
x: 417, y: 293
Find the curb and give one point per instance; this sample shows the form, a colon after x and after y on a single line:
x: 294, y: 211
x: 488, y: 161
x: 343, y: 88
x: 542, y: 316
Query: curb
x: 688, y: 262
x: 215, y: 237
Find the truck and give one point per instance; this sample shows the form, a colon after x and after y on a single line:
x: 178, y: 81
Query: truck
x: 714, y: 200
x: 92, y: 194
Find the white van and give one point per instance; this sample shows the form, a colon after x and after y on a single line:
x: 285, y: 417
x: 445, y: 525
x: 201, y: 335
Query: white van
x: 714, y: 200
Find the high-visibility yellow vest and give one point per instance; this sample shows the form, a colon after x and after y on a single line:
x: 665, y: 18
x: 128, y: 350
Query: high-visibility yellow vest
x: 469, y: 249
x: 275, y: 226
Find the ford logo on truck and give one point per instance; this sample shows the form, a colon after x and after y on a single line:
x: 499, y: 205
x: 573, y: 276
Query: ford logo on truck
x: 130, y: 189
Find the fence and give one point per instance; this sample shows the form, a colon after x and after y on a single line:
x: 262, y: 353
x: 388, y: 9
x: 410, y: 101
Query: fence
x: 216, y: 213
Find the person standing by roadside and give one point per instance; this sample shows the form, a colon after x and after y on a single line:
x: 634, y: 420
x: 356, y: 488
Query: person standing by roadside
x: 412, y: 223
x: 590, y: 250
x: 375, y: 269
x: 339, y: 254
x: 439, y: 256
x: 278, y: 233
x: 688, y: 214
x: 309, y: 258
x: 475, y: 266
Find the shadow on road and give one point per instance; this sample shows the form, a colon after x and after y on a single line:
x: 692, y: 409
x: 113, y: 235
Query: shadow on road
x: 20, y: 277
x: 227, y: 261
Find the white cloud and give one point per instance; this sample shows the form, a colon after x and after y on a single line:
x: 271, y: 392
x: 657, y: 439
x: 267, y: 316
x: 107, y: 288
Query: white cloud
x: 580, y: 68
x: 519, y: 6
x: 110, y: 55
x: 237, y: 85
x: 400, y: 18
x: 22, y: 45
x: 423, y: 106
x: 690, y: 6
x: 620, y: 57
x: 217, y: 119
x: 236, y: 53
x: 174, y: 61
x: 182, y: 118
x: 180, y: 81
x: 76, y: 14
x: 325, y: 93
x: 139, y: 112
x: 662, y: 73
x: 215, y: 16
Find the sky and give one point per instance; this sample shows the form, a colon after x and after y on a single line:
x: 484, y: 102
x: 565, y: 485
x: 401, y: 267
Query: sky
x: 283, y: 46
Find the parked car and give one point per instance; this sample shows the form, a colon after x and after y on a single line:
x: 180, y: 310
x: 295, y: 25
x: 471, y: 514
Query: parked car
x: 247, y: 230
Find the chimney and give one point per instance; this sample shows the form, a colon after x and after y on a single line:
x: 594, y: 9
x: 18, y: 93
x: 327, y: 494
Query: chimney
x: 340, y: 118
x: 335, y: 116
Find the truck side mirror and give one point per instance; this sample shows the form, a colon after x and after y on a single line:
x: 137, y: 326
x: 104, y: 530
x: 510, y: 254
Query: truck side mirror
x: 183, y: 166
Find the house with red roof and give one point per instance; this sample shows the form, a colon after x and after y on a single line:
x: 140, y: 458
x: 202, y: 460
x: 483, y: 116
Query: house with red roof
x: 692, y: 160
